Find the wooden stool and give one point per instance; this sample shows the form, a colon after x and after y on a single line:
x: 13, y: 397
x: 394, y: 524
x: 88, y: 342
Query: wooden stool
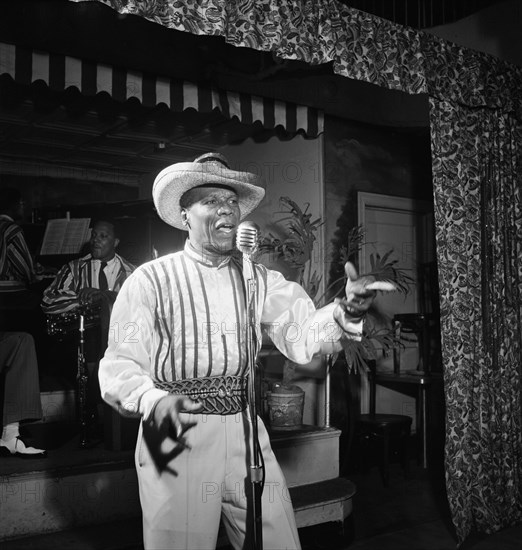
x: 383, y: 429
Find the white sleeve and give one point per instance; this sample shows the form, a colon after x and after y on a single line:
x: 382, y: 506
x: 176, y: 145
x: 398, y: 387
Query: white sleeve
x: 125, y: 370
x: 297, y: 329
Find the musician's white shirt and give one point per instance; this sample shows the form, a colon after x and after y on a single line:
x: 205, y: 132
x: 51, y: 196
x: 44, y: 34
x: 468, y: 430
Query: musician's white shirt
x: 111, y: 272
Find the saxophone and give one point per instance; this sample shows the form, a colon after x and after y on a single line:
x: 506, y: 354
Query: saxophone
x: 82, y: 379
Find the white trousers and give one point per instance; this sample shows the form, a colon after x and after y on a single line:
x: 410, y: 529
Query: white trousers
x: 184, y: 493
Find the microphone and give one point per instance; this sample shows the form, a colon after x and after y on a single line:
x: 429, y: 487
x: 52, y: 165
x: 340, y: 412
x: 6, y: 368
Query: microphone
x: 247, y: 238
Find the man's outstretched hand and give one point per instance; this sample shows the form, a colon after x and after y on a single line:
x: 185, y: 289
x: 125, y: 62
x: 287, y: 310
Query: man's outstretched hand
x: 360, y: 293
x: 358, y: 297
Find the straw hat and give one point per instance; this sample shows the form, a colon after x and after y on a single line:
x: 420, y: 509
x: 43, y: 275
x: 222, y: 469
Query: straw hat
x: 212, y: 168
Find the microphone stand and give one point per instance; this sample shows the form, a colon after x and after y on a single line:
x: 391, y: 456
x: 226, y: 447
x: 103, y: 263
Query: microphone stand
x: 256, y: 470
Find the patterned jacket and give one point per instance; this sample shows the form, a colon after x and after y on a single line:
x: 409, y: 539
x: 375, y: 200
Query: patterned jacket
x: 62, y: 294
x: 16, y: 263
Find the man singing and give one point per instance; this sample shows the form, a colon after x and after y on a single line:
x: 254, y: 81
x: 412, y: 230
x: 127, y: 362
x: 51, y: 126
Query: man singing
x: 182, y: 320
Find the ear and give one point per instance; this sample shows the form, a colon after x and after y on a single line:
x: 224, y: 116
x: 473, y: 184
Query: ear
x: 184, y: 218
x: 116, y: 242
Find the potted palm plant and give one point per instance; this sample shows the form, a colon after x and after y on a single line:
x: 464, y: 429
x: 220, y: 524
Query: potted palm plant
x: 295, y: 249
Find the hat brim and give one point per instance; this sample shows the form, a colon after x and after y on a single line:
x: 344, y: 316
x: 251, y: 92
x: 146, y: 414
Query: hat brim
x: 175, y: 180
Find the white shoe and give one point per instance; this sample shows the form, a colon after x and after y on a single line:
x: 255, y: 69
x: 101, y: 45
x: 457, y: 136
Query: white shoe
x: 16, y: 447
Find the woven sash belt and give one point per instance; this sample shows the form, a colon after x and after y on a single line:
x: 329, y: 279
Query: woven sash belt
x: 218, y: 394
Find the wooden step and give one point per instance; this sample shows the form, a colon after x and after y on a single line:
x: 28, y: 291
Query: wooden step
x: 80, y: 487
x: 308, y: 454
x: 335, y: 505
x: 116, y: 535
x: 58, y: 405
x: 323, y: 502
x: 76, y: 487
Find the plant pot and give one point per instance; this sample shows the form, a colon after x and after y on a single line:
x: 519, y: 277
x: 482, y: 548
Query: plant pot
x: 285, y: 407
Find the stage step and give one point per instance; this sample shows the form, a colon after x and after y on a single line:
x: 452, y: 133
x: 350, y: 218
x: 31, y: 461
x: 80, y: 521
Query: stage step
x: 58, y: 405
x: 71, y: 495
x: 308, y: 454
x: 324, y: 502
x: 117, y: 535
x: 75, y: 488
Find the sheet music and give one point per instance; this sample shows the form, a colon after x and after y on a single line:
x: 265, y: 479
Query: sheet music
x: 65, y: 236
x: 76, y: 235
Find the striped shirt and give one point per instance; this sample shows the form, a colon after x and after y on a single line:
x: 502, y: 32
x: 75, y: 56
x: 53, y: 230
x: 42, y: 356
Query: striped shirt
x: 16, y: 263
x: 62, y: 294
x: 179, y: 317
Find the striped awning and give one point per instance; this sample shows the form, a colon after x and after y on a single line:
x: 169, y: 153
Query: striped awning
x: 61, y: 72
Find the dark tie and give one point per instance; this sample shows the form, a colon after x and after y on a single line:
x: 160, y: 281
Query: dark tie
x: 102, y: 279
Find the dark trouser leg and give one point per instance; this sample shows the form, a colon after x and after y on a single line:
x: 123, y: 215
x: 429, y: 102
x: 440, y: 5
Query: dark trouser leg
x: 19, y: 370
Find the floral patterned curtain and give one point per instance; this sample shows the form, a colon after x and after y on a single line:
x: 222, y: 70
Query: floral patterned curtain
x: 478, y: 210
x: 359, y: 46
x: 476, y: 120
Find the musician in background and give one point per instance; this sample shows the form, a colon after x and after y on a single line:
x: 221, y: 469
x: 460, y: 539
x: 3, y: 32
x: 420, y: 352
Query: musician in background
x: 89, y: 285
x: 86, y: 282
x: 187, y: 315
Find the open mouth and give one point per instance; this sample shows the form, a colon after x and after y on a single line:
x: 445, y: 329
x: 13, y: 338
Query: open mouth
x: 225, y: 227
